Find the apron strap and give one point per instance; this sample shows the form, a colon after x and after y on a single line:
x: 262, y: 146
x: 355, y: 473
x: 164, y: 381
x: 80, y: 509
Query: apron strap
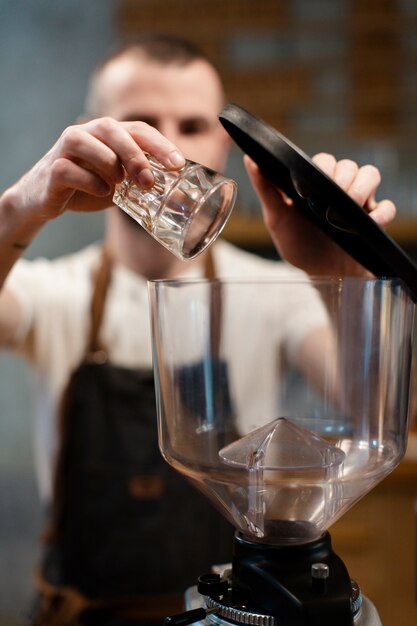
x: 95, y: 350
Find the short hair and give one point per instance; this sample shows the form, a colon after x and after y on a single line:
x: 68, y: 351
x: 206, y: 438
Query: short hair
x: 163, y: 48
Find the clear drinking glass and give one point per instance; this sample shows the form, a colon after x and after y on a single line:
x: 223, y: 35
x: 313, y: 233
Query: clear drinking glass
x: 185, y: 210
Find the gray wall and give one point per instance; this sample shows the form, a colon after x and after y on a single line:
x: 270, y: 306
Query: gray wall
x: 47, y: 49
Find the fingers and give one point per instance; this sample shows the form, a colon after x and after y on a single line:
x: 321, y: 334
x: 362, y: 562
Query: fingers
x: 90, y: 153
x: 361, y: 183
x: 73, y: 176
x: 151, y: 141
x: 364, y: 186
x: 384, y: 212
x: 325, y: 162
x: 110, y: 149
x: 343, y: 172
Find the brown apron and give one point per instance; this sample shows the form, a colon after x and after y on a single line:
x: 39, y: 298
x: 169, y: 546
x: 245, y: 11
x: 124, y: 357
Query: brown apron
x: 128, y: 534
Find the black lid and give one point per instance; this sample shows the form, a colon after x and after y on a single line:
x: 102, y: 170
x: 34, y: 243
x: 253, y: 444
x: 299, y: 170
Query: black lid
x: 320, y: 199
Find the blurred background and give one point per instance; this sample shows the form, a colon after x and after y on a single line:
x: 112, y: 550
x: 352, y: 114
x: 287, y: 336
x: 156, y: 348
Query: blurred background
x: 333, y: 75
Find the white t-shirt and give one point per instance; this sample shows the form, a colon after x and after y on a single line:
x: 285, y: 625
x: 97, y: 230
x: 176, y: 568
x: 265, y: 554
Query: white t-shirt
x: 55, y: 299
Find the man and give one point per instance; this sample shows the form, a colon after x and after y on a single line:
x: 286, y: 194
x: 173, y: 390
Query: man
x: 83, y: 322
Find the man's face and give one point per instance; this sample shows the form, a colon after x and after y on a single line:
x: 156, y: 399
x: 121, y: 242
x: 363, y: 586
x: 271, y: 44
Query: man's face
x: 182, y: 102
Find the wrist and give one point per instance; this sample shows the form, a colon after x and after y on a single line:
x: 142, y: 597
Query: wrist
x: 17, y: 224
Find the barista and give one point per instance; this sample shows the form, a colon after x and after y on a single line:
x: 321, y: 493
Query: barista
x: 125, y: 535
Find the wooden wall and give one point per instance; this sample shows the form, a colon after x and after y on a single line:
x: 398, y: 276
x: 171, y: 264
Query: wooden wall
x: 348, y: 59
x: 335, y: 75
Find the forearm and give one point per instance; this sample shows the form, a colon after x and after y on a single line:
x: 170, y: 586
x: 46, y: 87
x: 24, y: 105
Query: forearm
x: 17, y: 229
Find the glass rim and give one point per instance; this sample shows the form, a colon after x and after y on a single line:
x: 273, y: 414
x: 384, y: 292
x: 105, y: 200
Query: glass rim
x: 279, y: 280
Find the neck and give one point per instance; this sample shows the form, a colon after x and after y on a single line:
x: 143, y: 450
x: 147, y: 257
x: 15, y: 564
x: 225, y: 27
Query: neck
x: 129, y: 245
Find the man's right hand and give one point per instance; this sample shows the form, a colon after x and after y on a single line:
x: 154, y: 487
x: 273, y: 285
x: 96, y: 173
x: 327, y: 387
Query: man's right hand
x: 81, y: 170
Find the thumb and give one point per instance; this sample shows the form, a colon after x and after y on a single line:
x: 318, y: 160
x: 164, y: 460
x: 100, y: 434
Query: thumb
x: 271, y: 197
